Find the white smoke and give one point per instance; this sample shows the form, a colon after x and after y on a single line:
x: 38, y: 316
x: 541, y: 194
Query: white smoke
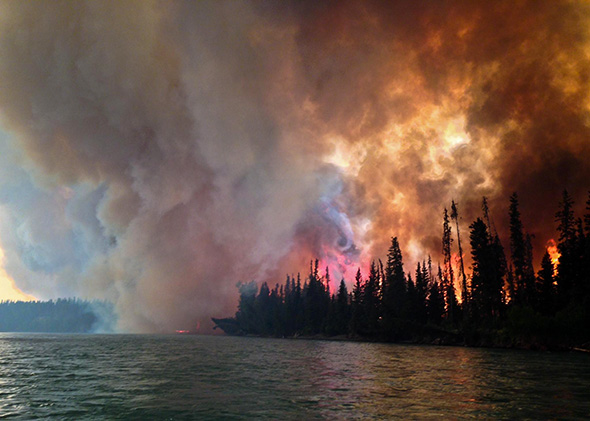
x: 157, y: 170
x: 159, y: 152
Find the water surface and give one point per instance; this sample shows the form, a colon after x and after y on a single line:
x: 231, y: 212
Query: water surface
x: 217, y: 377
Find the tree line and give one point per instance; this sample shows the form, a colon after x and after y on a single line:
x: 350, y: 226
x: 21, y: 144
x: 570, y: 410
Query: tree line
x: 62, y: 315
x: 502, y: 302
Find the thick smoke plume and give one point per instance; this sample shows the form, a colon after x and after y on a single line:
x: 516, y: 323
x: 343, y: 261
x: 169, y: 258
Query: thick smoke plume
x: 155, y: 153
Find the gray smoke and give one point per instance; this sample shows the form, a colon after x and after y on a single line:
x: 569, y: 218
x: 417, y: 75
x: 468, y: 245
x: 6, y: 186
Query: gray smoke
x: 156, y: 153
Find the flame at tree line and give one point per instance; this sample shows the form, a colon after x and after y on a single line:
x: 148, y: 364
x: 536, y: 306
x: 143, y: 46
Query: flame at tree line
x: 152, y: 153
x: 502, y: 300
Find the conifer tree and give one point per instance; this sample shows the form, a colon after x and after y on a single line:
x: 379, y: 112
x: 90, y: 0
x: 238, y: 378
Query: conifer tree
x: 499, y: 255
x: 263, y: 310
x: 517, y: 250
x: 436, y: 301
x: 411, y: 300
x: 464, y: 293
x: 448, y: 276
x: 529, y: 271
x: 331, y: 322
x: 486, y: 282
x: 580, y: 269
x: 357, y: 316
x: 314, y: 301
x: 390, y: 304
x: 371, y: 301
x: 509, y: 296
x: 421, y: 291
x: 394, y: 288
x: 342, y: 309
x: 288, y: 307
x: 546, y: 290
x: 565, y: 220
x: 501, y: 264
x: 298, y: 305
x: 566, y: 246
x: 486, y: 215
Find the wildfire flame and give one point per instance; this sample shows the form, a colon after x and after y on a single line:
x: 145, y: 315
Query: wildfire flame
x: 554, y: 254
x: 185, y: 157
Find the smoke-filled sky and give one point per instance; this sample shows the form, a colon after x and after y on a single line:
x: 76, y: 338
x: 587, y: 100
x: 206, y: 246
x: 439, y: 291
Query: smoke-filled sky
x: 155, y: 153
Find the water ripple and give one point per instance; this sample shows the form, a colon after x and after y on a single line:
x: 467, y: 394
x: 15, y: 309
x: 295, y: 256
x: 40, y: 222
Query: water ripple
x: 198, y: 377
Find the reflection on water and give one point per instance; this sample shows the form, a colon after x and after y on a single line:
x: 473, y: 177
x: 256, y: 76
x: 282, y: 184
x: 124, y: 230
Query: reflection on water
x: 185, y: 377
x: 423, y: 382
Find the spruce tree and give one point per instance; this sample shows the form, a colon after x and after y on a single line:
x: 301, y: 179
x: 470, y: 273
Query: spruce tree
x: 342, y: 309
x: 288, y: 307
x: 371, y: 301
x: 455, y: 217
x: 315, y: 304
x: 486, y: 282
x: 421, y: 292
x: 510, y: 295
x: 264, y: 310
x: 394, y: 289
x: 436, y: 301
x: 566, y: 246
x: 298, y: 306
x: 545, y: 286
x: 357, y: 316
x: 448, y: 276
x: 411, y: 300
x: 517, y: 250
x: 529, y: 271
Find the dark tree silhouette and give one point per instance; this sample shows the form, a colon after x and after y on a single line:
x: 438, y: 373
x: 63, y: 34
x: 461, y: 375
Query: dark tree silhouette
x: 448, y: 280
x: 521, y: 253
x: 421, y: 292
x: 486, y: 282
x: 505, y: 305
x: 371, y: 302
x: 342, y: 309
x: 455, y: 217
x: 394, y: 289
x: 545, y: 287
x: 358, y: 316
x: 566, y: 246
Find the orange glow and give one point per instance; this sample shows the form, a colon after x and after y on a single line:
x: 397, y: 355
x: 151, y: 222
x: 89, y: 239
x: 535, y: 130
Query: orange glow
x: 554, y: 254
x: 188, y: 332
x: 8, y: 289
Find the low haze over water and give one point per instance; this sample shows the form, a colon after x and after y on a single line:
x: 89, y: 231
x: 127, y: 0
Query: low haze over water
x: 217, y: 377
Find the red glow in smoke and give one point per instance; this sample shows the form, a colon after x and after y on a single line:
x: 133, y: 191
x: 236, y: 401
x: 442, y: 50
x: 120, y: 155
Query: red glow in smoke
x: 342, y: 265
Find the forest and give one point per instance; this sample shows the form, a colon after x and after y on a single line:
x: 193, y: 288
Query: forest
x: 502, y: 301
x: 62, y: 315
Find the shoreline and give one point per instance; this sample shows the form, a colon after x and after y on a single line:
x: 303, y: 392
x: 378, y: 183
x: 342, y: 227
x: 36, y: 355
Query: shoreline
x: 436, y: 342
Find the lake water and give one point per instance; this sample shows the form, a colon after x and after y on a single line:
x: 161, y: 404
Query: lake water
x: 215, y: 377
